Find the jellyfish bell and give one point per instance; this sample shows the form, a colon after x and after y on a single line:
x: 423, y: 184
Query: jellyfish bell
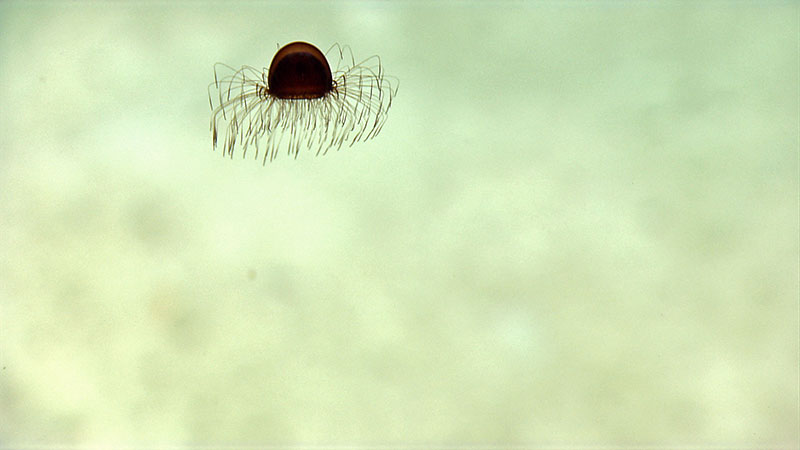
x: 299, y: 102
x: 299, y: 70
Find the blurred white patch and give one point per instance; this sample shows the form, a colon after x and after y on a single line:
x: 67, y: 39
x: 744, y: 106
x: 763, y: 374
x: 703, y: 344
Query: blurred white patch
x: 518, y: 334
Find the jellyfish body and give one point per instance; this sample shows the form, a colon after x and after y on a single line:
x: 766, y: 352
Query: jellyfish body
x: 299, y: 102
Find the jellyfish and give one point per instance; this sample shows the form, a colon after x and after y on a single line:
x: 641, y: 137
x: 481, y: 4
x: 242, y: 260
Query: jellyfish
x: 299, y: 102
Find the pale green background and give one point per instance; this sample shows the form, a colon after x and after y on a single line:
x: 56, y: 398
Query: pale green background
x: 579, y: 225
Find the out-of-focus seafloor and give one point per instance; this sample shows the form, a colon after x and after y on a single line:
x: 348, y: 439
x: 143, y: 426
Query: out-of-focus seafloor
x: 579, y: 225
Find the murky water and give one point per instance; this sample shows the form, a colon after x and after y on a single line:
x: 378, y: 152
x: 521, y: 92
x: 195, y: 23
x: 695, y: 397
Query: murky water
x: 579, y: 224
